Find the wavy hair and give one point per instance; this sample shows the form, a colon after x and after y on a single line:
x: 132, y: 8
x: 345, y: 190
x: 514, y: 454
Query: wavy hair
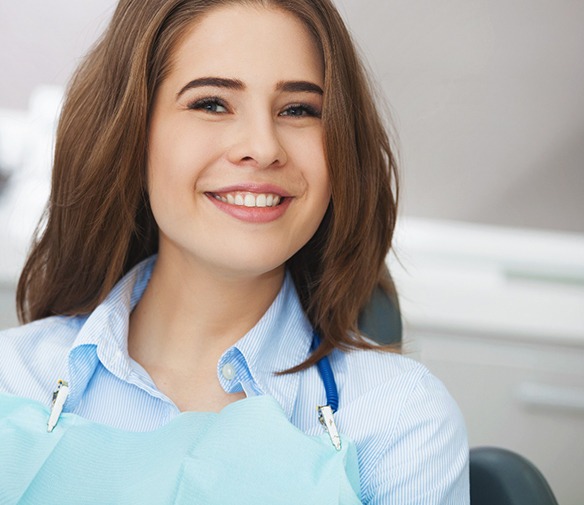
x: 98, y: 223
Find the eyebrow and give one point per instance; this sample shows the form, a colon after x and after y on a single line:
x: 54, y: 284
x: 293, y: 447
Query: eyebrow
x: 236, y: 84
x: 299, y: 86
x: 216, y: 82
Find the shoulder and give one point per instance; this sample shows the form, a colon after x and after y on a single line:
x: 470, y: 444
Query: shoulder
x: 374, y: 378
x: 32, y: 355
x: 409, y: 432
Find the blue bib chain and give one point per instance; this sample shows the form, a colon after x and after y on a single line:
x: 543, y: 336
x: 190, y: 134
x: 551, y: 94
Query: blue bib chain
x: 325, y: 412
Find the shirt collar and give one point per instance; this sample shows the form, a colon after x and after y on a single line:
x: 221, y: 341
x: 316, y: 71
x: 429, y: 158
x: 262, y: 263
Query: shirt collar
x: 103, y: 335
x: 280, y: 340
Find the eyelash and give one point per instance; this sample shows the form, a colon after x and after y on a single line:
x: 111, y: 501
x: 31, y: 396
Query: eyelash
x: 205, y: 103
x: 305, y: 109
x: 209, y: 104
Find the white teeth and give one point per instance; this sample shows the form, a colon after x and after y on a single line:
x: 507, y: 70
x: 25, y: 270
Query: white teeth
x: 249, y: 199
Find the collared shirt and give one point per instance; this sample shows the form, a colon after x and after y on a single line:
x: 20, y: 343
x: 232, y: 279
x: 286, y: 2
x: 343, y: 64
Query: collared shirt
x: 410, y: 436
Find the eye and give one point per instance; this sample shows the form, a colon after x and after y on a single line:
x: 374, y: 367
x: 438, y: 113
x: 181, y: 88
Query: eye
x: 301, y: 110
x: 212, y: 105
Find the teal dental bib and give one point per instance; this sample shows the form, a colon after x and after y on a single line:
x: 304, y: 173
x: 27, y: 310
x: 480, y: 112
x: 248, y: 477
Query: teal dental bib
x: 249, y: 453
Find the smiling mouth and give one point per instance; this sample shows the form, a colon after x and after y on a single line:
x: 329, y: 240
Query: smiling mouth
x: 247, y: 199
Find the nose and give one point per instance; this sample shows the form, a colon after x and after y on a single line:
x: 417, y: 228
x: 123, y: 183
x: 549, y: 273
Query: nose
x: 257, y: 143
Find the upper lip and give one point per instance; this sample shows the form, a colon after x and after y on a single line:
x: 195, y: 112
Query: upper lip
x: 251, y: 187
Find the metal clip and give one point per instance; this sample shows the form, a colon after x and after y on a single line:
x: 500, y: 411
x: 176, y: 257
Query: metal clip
x: 325, y: 416
x: 59, y: 397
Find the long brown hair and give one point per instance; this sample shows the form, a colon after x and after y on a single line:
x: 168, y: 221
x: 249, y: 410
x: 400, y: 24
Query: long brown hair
x: 98, y: 222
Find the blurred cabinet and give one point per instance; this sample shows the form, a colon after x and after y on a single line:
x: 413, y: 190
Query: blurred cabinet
x: 498, y: 316
x: 7, y: 305
x: 523, y: 396
x: 26, y: 146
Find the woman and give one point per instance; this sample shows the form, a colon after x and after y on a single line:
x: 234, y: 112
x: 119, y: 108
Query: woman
x: 222, y: 204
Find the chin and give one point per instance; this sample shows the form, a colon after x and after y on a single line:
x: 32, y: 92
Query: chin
x: 255, y: 269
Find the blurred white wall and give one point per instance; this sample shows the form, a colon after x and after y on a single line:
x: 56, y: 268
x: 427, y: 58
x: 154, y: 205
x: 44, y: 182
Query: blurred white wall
x: 486, y: 95
x: 488, y: 99
x: 42, y: 42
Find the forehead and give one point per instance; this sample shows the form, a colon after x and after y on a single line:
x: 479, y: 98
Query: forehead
x: 248, y: 42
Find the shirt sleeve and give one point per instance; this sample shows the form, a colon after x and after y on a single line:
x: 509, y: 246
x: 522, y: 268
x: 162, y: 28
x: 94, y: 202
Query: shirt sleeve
x: 427, y: 461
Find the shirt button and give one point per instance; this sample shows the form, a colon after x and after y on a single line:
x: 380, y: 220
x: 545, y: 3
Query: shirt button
x: 228, y: 371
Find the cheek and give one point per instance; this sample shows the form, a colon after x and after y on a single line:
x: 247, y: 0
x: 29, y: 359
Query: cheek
x: 308, y: 152
x: 176, y: 162
x: 171, y: 180
x: 319, y: 174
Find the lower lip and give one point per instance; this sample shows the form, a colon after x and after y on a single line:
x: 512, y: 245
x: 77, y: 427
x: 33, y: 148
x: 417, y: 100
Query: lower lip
x: 252, y: 214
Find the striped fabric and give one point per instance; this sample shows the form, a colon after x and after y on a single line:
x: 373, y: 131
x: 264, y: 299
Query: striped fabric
x: 409, y: 433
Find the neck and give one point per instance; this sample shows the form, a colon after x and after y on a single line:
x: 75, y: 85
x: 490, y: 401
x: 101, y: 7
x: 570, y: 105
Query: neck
x: 191, y: 315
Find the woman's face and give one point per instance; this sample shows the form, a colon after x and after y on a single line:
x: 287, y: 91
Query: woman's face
x: 237, y: 175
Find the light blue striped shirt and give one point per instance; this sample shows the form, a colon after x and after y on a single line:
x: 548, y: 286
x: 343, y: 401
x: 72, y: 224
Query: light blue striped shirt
x: 410, y: 436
